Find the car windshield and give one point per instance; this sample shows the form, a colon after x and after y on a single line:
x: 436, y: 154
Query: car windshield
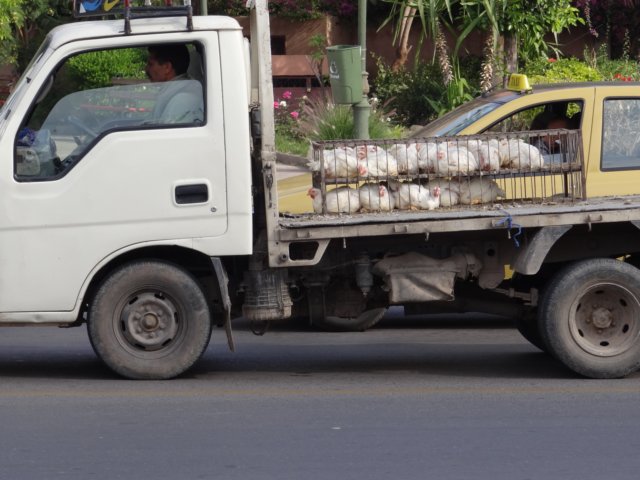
x: 457, y: 120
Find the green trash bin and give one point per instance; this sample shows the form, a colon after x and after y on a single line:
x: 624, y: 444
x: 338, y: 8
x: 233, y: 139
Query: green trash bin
x: 345, y: 73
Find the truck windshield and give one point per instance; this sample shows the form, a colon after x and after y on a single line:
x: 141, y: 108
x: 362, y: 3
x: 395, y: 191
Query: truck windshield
x: 457, y: 120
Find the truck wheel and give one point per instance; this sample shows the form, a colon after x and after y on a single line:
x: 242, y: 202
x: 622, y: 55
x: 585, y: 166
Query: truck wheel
x: 362, y: 322
x: 590, y: 318
x: 149, y: 320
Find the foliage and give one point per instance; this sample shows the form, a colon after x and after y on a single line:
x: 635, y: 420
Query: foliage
x: 561, y: 70
x: 321, y: 120
x: 611, y: 69
x: 611, y: 20
x: 23, y: 24
x: 96, y: 69
x: 529, y: 21
x: 418, y: 96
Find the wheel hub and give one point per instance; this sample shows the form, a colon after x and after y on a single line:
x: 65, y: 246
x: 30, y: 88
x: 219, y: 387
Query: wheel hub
x: 602, y: 317
x: 605, y: 319
x: 149, y: 321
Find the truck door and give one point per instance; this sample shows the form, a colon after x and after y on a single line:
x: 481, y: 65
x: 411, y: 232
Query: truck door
x: 92, y: 167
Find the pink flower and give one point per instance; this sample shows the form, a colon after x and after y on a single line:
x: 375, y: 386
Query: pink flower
x: 287, y: 95
x: 276, y: 104
x: 295, y: 115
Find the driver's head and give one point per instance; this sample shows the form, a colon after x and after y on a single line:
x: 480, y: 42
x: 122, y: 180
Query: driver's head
x: 165, y: 62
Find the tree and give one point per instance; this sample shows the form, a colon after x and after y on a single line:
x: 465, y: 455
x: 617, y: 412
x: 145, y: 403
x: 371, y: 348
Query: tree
x: 23, y: 23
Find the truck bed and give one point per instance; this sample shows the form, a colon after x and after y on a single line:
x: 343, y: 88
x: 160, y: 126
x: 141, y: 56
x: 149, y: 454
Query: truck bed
x: 467, y: 218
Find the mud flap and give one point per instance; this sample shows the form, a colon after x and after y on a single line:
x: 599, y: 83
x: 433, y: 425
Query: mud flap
x: 223, y: 284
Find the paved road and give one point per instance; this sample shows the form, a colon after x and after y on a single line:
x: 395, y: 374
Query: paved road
x: 465, y: 399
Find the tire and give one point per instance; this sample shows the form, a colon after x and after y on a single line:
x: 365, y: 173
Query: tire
x: 149, y: 320
x: 362, y: 322
x: 590, y: 318
x: 528, y: 327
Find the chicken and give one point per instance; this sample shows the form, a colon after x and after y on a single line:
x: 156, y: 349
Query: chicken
x: 429, y: 156
x: 375, y: 197
x: 529, y: 158
x: 487, y: 155
x: 339, y: 162
x: 339, y: 200
x: 377, y: 161
x: 516, y: 153
x: 449, y: 191
x: 479, y: 190
x: 452, y: 160
x: 411, y: 196
x: 406, y: 156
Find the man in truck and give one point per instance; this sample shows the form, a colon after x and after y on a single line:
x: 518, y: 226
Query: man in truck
x: 178, y: 102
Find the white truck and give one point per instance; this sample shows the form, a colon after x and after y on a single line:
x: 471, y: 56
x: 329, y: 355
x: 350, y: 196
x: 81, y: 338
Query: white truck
x: 151, y: 231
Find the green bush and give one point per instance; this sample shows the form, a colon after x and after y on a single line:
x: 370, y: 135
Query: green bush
x: 96, y: 69
x: 561, y: 70
x: 409, y: 93
x: 321, y: 120
x: 419, y: 96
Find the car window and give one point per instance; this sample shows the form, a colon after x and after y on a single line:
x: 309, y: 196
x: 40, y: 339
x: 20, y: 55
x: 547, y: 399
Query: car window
x: 621, y: 134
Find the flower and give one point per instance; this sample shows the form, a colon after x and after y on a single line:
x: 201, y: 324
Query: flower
x: 552, y: 60
x: 287, y: 95
x: 295, y: 115
x: 276, y: 105
x: 283, y: 104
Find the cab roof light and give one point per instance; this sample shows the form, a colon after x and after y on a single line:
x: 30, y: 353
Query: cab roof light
x: 518, y: 82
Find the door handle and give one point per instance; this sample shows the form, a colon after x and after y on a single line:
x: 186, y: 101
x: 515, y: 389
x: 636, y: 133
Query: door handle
x: 196, y: 193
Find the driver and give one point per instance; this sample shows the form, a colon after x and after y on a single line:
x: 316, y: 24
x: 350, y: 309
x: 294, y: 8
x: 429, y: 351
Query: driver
x: 179, y: 101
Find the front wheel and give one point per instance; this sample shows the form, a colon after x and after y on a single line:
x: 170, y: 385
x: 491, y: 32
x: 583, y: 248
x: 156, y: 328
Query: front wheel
x: 149, y: 320
x: 590, y: 318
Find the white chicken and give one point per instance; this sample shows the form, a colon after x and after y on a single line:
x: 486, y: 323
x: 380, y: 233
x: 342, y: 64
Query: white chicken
x: 528, y: 159
x: 487, y: 155
x: 452, y: 160
x: 375, y: 197
x: 479, y: 190
x: 339, y: 162
x: 516, y: 153
x: 411, y: 196
x: 377, y: 161
x: 449, y: 191
x: 406, y: 156
x: 339, y: 200
x: 428, y: 156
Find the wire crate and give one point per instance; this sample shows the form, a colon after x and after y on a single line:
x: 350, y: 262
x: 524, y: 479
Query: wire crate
x: 352, y: 176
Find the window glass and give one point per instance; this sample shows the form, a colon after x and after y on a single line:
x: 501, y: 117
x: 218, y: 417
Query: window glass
x: 621, y: 134
x: 92, y: 94
x: 534, y: 118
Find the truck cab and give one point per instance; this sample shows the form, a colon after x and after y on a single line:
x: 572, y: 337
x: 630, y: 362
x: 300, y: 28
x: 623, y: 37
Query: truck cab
x: 89, y: 173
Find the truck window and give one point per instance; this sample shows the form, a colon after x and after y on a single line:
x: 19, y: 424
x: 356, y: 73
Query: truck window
x: 93, y: 94
x: 621, y: 134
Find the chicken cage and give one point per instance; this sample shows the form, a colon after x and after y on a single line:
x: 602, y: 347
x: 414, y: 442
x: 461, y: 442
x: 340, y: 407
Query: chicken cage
x: 351, y: 176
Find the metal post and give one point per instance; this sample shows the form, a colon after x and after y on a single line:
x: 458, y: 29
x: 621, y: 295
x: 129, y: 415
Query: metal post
x: 362, y: 109
x: 203, y: 7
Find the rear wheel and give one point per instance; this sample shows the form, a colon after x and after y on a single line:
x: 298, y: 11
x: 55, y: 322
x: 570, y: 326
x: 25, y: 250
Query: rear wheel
x: 149, y: 320
x: 590, y: 318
